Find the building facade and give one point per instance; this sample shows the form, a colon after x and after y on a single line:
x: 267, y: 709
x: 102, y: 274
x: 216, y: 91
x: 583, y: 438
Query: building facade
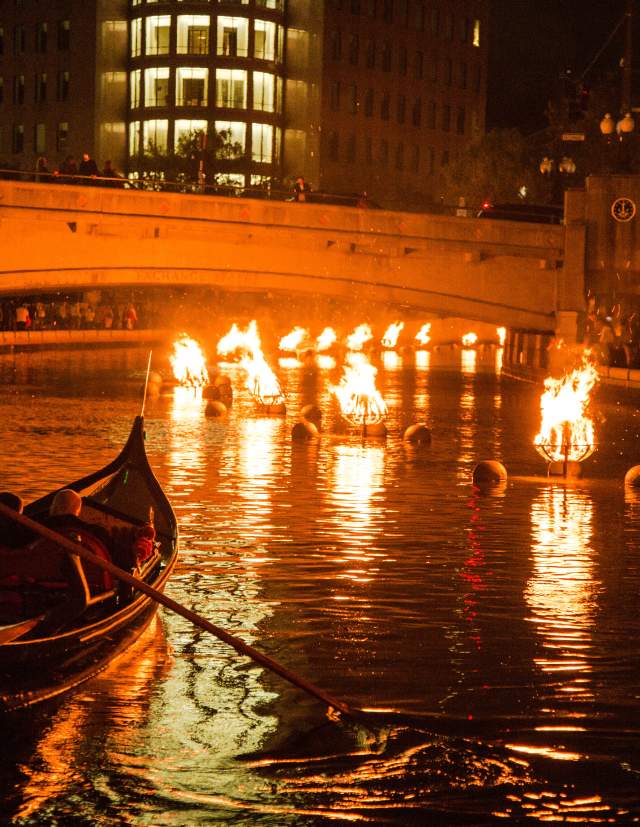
x: 355, y: 95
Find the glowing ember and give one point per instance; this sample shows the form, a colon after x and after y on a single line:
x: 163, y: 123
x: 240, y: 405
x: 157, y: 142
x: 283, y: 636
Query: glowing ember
x: 189, y: 363
x: 502, y: 335
x: 469, y: 339
x: 361, y: 335
x: 326, y: 339
x: 566, y: 432
x: 292, y: 340
x: 261, y: 382
x: 423, y: 336
x: 360, y: 401
x: 390, y: 338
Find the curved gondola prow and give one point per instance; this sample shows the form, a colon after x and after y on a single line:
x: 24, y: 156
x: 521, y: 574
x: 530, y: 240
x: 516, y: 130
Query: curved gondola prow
x: 116, y: 486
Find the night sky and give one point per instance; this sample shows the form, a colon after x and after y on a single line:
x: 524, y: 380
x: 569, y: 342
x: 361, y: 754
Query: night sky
x: 533, y: 42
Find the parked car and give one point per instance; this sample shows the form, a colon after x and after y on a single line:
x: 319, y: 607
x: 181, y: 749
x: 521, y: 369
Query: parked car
x: 535, y: 213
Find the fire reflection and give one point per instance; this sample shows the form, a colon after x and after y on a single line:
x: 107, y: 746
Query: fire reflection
x: 357, y: 477
x: 186, y: 462
x: 255, y: 475
x: 562, y: 590
x: 468, y: 419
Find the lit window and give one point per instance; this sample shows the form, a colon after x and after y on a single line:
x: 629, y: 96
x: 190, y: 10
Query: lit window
x: 1, y: 93
x: 156, y: 86
x: 136, y: 36
x: 184, y: 129
x: 62, y: 91
x: 476, y: 32
x: 192, y: 85
x: 233, y: 36
x: 134, y: 138
x: 157, y: 35
x: 41, y: 37
x: 264, y: 91
x: 231, y: 88
x: 40, y: 87
x: 231, y: 139
x: 64, y: 35
x: 193, y: 34
x: 262, y: 143
x: 265, y: 40
x: 134, y: 88
x: 62, y: 136
x: 268, y: 4
x: 155, y: 136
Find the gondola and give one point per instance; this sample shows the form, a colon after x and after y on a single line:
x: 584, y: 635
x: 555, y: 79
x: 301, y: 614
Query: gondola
x: 123, y: 498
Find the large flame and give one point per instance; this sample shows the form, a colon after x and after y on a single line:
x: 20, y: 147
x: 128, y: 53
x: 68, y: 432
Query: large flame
x: 261, y: 381
x: 469, y: 339
x: 360, y: 401
x: 361, y: 335
x: 423, y: 336
x: 326, y: 339
x: 189, y: 362
x: 566, y: 432
x: 390, y: 338
x: 291, y: 341
x: 240, y: 341
x: 502, y: 335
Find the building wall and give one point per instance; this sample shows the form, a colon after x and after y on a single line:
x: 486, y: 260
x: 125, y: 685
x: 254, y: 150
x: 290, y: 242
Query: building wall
x: 54, y: 111
x: 404, y: 90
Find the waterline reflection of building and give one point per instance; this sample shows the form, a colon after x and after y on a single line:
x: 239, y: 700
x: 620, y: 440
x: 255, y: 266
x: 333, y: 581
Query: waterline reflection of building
x: 562, y: 591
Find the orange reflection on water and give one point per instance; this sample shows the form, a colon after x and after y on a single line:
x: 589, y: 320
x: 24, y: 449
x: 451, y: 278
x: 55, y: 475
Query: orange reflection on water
x: 468, y: 360
x: 357, y: 476
x: 391, y: 360
x: 562, y: 590
x: 186, y: 462
x: 423, y: 359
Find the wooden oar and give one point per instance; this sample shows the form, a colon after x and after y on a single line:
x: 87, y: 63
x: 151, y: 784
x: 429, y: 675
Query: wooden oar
x: 236, y: 643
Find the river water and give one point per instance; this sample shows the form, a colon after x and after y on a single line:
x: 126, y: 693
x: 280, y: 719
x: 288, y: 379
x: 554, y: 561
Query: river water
x: 500, y: 630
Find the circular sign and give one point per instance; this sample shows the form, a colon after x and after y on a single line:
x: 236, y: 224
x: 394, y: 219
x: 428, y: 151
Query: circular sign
x: 623, y: 209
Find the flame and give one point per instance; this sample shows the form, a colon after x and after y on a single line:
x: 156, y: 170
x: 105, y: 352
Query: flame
x: 502, y: 335
x: 261, y: 381
x: 566, y: 432
x: 247, y: 341
x: 292, y: 340
x: 469, y: 339
x: 390, y: 338
x: 424, y: 334
x: 357, y: 339
x: 189, y: 363
x: 326, y: 339
x: 360, y: 401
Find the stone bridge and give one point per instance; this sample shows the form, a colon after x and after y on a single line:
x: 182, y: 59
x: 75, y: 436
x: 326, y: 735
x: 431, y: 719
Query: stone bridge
x: 55, y: 236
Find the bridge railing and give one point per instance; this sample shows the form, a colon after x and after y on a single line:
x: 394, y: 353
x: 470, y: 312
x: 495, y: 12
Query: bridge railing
x: 270, y: 192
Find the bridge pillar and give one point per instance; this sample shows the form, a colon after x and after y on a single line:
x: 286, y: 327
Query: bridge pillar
x: 571, y: 300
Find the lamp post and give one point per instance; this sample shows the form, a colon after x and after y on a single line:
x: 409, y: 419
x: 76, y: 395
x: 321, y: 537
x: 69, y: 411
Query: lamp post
x: 619, y: 137
x: 558, y: 172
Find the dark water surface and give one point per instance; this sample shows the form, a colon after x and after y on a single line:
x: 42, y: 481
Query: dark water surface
x: 505, y: 627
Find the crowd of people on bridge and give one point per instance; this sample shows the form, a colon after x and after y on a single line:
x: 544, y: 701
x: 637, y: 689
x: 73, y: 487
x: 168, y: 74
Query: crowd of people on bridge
x: 613, y: 334
x: 72, y: 315
x: 85, y: 172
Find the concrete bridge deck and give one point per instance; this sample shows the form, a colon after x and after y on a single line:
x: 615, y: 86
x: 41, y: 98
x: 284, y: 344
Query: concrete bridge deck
x: 61, y: 237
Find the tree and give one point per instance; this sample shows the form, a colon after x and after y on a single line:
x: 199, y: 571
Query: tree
x: 499, y: 167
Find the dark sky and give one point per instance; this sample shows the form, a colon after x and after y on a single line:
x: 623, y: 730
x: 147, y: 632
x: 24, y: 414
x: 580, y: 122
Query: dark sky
x: 533, y: 42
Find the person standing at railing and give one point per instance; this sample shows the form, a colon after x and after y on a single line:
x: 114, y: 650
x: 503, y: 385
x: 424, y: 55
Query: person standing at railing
x: 68, y: 170
x: 300, y: 189
x: 109, y: 172
x: 88, y: 168
x: 42, y: 170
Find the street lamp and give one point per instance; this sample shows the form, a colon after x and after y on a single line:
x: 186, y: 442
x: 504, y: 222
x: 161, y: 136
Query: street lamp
x: 619, y: 134
x: 558, y: 172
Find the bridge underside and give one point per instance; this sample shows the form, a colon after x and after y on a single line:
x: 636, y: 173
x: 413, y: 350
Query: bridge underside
x: 86, y: 238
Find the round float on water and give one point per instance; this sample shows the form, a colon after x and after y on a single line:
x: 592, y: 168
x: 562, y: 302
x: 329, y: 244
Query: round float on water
x: 304, y: 431
x: 215, y: 408
x: 155, y: 378
x: 279, y: 409
x: 211, y: 392
x: 489, y: 472
x: 632, y: 477
x: 312, y: 414
x: 375, y: 429
x: 418, y: 434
